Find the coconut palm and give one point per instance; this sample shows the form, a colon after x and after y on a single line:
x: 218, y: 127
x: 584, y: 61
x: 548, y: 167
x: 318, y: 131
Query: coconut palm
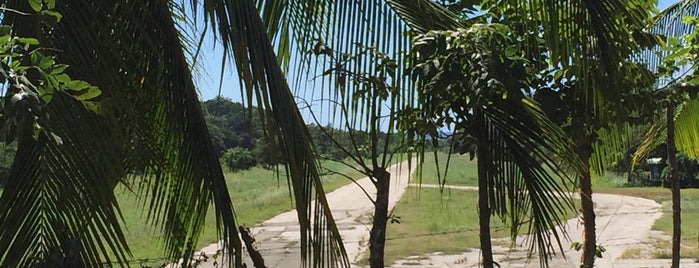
x: 577, y: 34
x: 59, y: 208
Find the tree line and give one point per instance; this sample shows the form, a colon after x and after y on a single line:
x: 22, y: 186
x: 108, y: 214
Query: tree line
x: 240, y: 142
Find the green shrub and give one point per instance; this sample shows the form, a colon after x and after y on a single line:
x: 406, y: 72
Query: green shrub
x: 238, y: 158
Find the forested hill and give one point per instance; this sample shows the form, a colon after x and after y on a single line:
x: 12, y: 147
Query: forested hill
x: 238, y: 138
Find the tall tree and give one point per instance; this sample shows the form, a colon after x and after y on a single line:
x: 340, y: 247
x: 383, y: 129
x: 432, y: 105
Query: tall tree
x: 678, y: 82
x: 476, y: 79
x: 587, y: 39
x: 369, y: 151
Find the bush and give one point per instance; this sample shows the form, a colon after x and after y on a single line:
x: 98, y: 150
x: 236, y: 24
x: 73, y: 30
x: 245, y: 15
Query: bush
x: 238, y: 158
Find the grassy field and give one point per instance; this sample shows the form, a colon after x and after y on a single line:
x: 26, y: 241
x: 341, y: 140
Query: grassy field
x: 257, y: 194
x: 434, y: 222
x: 464, y: 171
x: 431, y: 221
x: 461, y: 170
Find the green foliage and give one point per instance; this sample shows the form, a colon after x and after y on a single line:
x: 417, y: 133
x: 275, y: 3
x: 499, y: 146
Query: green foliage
x: 475, y: 80
x: 231, y: 124
x: 71, y: 153
x: 33, y: 78
x: 680, y: 72
x: 466, y: 69
x: 680, y: 61
x: 238, y: 158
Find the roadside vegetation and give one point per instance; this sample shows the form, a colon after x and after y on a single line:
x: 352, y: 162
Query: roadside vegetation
x: 257, y: 194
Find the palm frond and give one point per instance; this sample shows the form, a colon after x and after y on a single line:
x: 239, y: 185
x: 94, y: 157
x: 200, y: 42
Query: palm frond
x: 609, y: 147
x: 686, y: 128
x: 58, y: 207
x: 532, y: 164
x: 334, y: 41
x: 423, y: 16
x: 586, y: 35
x: 149, y: 107
x: 668, y: 23
x: 654, y: 136
x: 244, y: 36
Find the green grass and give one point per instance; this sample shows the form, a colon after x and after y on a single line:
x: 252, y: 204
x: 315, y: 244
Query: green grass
x: 461, y: 170
x: 434, y: 222
x: 464, y: 171
x: 608, y: 180
x: 257, y: 194
x: 431, y: 221
x: 448, y: 222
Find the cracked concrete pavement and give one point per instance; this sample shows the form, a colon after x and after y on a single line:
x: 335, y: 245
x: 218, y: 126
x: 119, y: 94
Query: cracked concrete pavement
x: 623, y: 223
x: 277, y: 238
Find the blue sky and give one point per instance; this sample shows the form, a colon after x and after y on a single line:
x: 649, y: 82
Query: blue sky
x: 208, y: 80
x: 662, y: 4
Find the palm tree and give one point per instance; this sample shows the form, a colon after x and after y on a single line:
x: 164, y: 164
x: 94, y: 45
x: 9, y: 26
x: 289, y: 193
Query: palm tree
x: 474, y: 79
x: 59, y: 206
x: 581, y: 36
x: 577, y: 34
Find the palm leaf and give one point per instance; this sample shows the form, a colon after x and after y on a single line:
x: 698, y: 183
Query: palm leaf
x: 654, y: 136
x: 586, y: 35
x: 58, y: 207
x: 423, y: 16
x: 244, y: 35
x: 149, y: 107
x: 527, y: 150
x: 686, y: 128
x: 669, y: 23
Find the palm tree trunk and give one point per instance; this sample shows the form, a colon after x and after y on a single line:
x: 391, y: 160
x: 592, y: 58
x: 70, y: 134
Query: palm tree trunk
x: 587, y: 259
x: 675, y: 182
x: 483, y: 204
x: 377, y: 237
